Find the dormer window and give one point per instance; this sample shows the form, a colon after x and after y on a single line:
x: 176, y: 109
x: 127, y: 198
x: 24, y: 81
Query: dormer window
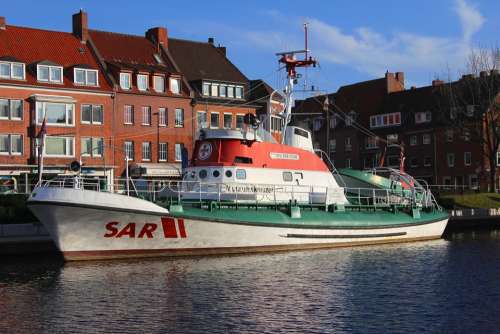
x: 159, y: 83
x: 48, y: 73
x: 230, y: 91
x: 142, y: 82
x: 125, y: 79
x: 215, y: 90
x: 12, y: 70
x: 85, y: 77
x: 175, y: 85
x: 239, y: 92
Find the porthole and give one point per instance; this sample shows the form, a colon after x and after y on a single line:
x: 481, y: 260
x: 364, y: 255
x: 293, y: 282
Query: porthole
x: 241, y: 174
x: 216, y: 173
x: 203, y: 173
x: 229, y: 173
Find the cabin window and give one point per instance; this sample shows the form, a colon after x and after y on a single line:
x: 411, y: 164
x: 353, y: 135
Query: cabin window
x: 287, y: 176
x: 203, y: 173
x: 241, y: 174
x: 301, y: 132
x: 216, y: 173
x: 229, y: 173
x: 242, y: 160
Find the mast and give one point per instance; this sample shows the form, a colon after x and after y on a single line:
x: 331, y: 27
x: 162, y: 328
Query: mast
x: 291, y: 64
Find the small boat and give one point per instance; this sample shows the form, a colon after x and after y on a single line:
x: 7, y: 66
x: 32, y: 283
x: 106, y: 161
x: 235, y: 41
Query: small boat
x: 241, y: 192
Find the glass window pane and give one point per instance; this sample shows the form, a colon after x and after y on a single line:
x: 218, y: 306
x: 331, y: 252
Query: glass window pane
x: 97, y: 114
x: 4, y: 108
x: 215, y: 90
x: 142, y: 82
x: 175, y: 86
x: 206, y: 89
x: 86, y: 146
x: 18, y: 71
x: 55, y: 146
x: 239, y: 92
x: 222, y: 91
x: 4, y: 144
x: 16, y: 144
x: 179, y: 117
x: 5, y: 70
x: 80, y: 77
x: 159, y: 84
x: 97, y: 147
x: 70, y: 113
x: 86, y: 113
x: 239, y: 121
x: 214, y: 120
x: 125, y: 80
x: 43, y: 73
x: 16, y: 109
x: 228, y: 121
x: 230, y: 91
x: 55, y: 74
x: 178, y: 153
x: 92, y: 78
x: 56, y: 113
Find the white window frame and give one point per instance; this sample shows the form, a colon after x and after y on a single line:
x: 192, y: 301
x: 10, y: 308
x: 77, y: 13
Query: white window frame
x: 178, y: 85
x: 146, y: 148
x: 224, y: 120
x: 236, y: 121
x: 241, y: 90
x: 146, y: 115
x: 206, y: 85
x: 377, y: 121
x: 9, y: 144
x: 179, y: 124
x: 146, y: 76
x: 178, y: 152
x: 162, y: 116
x: 198, y: 123
x: 86, y: 75
x: 216, y: 87
x: 165, y: 151
x: 426, y: 139
x: 50, y: 79
x: 129, y: 76
x: 231, y: 91
x: 92, y: 108
x: 93, y: 147
x: 128, y: 108
x: 393, y: 141
x: 11, y: 69
x: 132, y: 149
x: 39, y: 119
x: 371, y: 143
x: 348, y: 163
x: 67, y: 140
x: 452, y: 162
x: 220, y: 90
x: 10, y: 117
x: 218, y: 119
x: 155, y: 86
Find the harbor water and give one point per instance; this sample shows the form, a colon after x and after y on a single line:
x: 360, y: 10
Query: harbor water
x: 443, y: 286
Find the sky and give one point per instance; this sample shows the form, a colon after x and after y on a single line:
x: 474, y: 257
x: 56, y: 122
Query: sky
x: 352, y: 40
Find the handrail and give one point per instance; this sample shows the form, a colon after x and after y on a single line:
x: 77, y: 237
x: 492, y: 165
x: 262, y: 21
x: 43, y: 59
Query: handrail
x: 329, y: 164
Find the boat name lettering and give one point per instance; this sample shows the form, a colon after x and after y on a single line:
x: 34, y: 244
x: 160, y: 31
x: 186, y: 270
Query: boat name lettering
x: 284, y: 156
x: 247, y: 188
x: 172, y: 228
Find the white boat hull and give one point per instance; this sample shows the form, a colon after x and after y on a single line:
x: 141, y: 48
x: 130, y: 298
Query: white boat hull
x: 85, y: 230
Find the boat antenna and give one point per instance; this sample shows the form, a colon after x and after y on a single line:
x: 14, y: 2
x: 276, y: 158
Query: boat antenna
x: 288, y: 58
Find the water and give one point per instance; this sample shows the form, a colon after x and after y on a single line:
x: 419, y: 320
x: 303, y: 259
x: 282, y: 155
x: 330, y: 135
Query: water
x: 444, y: 286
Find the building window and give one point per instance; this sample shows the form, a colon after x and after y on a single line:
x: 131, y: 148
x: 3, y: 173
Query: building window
x: 49, y: 73
x: 222, y: 90
x: 214, y: 90
x: 162, y: 117
x: 228, y: 121
x: 214, y: 120
x: 178, y: 152
x: 469, y: 110
x: 384, y: 120
x: 159, y: 84
x: 414, y: 162
x: 146, y: 151
x: 230, y: 91
x: 85, y: 77
x: 349, y: 119
x: 449, y: 135
x: 162, y: 152
x: 466, y: 134
x: 10, y: 70
x: 92, y: 146
x: 62, y: 114
x: 467, y: 158
x: 427, y: 161
x: 240, y: 120
x: 11, y: 109
x: 128, y: 114
x: 450, y: 158
x: 413, y: 140
x: 333, y: 145
x: 348, y: 146
x: 125, y: 81
x: 423, y: 117
x: 142, y: 82
x: 333, y: 121
x: 59, y: 146
x: 426, y: 139
x: 206, y: 89
x: 447, y: 180
x: 473, y: 181
x: 11, y: 144
x: 92, y: 114
x: 393, y: 161
x: 371, y: 143
x: 128, y: 147
x: 238, y: 92
x: 179, y: 118
x: 202, y: 120
x: 348, y: 163
x: 146, y: 115
x: 392, y: 139
x: 175, y: 85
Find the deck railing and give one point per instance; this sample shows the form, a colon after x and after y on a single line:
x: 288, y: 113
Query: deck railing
x: 258, y: 194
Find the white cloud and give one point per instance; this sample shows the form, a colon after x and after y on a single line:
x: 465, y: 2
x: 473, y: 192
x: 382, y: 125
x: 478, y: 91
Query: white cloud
x: 470, y: 17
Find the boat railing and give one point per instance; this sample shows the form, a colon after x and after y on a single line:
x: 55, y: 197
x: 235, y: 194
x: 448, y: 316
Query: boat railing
x: 324, y: 156
x: 258, y: 194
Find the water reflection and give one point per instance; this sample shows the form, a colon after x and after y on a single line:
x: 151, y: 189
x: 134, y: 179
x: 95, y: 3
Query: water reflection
x: 433, y: 286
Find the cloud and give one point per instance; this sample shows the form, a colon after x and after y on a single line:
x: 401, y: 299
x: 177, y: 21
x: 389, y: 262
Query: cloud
x: 470, y: 17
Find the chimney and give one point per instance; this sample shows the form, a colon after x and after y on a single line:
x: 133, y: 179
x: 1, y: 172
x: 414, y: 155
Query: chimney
x: 400, y: 76
x: 211, y: 40
x: 2, y: 23
x: 436, y: 83
x: 222, y: 49
x: 81, y: 26
x: 158, y: 35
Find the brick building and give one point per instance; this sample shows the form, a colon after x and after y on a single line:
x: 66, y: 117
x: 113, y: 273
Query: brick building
x: 54, y: 75
x: 440, y: 126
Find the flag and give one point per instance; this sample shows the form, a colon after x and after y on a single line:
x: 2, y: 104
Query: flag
x: 402, y: 157
x: 41, y: 144
x: 382, y: 158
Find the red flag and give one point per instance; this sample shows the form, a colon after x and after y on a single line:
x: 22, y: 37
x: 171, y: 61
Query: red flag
x: 43, y: 129
x: 382, y: 158
x: 402, y: 158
